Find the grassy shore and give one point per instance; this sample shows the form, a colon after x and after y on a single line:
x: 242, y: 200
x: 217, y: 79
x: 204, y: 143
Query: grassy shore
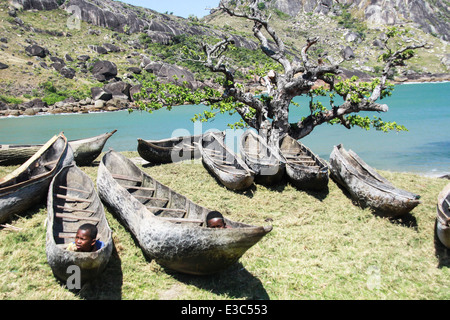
x: 322, y: 246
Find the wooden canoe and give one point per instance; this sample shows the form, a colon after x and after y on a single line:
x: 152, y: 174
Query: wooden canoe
x: 171, y: 150
x: 87, y: 150
x: 367, y: 187
x: 84, y: 150
x: 72, y: 201
x: 28, y: 185
x: 265, y: 161
x: 304, y: 169
x: 443, y: 216
x: 168, y: 226
x: 224, y: 164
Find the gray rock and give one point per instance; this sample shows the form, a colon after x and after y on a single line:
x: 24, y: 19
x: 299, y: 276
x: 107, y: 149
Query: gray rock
x: 3, y: 66
x: 98, y: 49
x: 38, y: 51
x: 119, y: 89
x: 347, y: 53
x: 100, y: 94
x: 68, y: 72
x: 104, y: 70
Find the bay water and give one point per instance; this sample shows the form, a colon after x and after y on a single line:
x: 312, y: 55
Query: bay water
x: 424, y: 109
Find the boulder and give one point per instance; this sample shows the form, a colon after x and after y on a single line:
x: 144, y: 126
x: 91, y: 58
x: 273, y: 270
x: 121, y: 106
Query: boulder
x: 111, y: 48
x: 119, y: 89
x: 83, y: 58
x: 38, y: 51
x: 347, y: 53
x: 98, y: 49
x: 100, y: 94
x: 68, y: 72
x: 104, y: 70
x: 3, y: 66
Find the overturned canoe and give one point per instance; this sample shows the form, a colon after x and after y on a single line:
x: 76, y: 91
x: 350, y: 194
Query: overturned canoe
x: 304, y: 169
x: 169, y: 227
x: 72, y: 201
x: 367, y: 187
x: 28, y: 185
x: 443, y: 216
x: 224, y: 164
x: 84, y: 150
x: 265, y: 161
x: 171, y: 150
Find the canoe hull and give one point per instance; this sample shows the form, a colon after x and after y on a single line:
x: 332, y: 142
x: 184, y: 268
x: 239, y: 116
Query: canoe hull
x: 15, y: 198
x: 90, y: 264
x: 184, y: 247
x: 87, y: 150
x: 269, y: 168
x: 236, y: 175
x: 367, y: 187
x: 443, y: 217
x: 84, y: 150
x: 171, y: 150
x: 301, y: 175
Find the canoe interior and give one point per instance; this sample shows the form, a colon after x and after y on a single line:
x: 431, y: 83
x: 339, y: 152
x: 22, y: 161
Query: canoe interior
x: 75, y: 202
x: 214, y: 148
x: 39, y: 165
x: 297, y: 154
x: 156, y: 197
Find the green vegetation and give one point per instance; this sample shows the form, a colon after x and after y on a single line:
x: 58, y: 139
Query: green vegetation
x: 322, y: 246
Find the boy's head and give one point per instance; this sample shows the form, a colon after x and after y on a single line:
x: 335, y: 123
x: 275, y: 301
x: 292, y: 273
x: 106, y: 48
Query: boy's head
x: 86, y: 237
x: 214, y: 219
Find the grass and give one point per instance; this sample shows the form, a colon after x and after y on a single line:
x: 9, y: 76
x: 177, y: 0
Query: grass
x: 322, y: 246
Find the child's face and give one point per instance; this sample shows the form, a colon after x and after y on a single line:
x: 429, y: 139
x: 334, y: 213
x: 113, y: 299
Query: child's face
x: 84, y: 241
x: 216, y: 223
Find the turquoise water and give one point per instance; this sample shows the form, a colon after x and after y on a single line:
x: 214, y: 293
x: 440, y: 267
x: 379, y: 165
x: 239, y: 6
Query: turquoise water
x: 423, y: 108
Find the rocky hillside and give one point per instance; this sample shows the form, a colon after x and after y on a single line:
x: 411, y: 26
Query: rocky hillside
x: 84, y: 55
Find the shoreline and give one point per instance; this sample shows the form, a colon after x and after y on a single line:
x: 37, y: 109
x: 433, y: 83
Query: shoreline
x: 117, y: 104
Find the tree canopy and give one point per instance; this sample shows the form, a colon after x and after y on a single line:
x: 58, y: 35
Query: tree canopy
x: 286, y: 75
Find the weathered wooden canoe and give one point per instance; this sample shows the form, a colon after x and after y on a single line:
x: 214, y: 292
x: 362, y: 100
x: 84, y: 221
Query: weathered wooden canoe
x: 304, y: 169
x: 367, y: 187
x: 87, y: 150
x: 169, y: 227
x: 443, y: 216
x: 14, y: 154
x: 28, y: 184
x: 265, y: 161
x: 224, y: 164
x: 84, y: 150
x: 72, y: 201
x: 171, y: 150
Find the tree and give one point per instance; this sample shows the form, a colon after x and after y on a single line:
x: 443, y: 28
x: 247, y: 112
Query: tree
x: 286, y: 78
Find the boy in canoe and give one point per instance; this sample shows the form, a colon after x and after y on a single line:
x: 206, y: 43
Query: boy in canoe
x: 215, y: 219
x: 85, y: 240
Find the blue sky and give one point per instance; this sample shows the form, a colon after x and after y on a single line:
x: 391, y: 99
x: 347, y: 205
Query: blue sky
x: 182, y: 8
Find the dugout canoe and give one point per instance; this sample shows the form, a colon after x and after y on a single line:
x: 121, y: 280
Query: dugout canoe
x: 367, y: 187
x: 72, y: 201
x: 265, y: 161
x: 170, y: 150
x: 84, y: 150
x: 224, y: 164
x: 28, y: 185
x: 304, y: 169
x: 168, y: 226
x: 88, y: 149
x: 443, y: 216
